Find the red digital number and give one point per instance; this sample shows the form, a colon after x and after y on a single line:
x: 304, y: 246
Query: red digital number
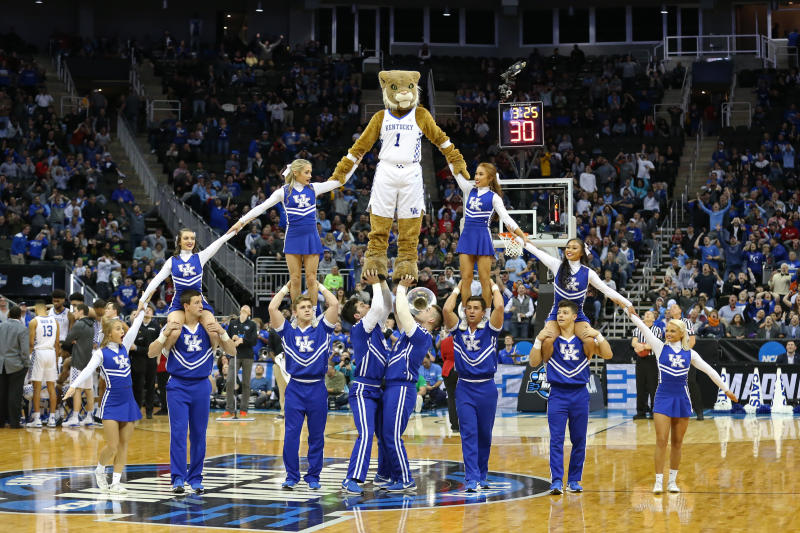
x: 521, y: 131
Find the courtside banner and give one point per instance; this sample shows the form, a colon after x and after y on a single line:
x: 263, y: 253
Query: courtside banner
x: 741, y: 378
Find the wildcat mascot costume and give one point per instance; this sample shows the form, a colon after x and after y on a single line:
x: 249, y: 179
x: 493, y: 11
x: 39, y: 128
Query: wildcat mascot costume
x: 397, y: 187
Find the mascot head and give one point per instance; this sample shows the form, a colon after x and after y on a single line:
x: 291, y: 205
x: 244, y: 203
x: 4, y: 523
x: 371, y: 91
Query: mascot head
x: 400, y: 89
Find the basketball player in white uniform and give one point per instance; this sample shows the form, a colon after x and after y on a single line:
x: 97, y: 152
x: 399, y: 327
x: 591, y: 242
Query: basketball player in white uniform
x: 44, y: 335
x: 61, y: 314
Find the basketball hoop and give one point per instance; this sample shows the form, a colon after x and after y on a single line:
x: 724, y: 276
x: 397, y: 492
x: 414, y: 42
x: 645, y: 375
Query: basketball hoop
x: 512, y: 243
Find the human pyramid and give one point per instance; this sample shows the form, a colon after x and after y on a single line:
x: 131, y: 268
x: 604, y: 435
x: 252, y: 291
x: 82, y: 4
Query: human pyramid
x: 383, y: 388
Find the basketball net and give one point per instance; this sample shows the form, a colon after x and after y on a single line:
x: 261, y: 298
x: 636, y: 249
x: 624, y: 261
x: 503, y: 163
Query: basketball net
x: 513, y: 244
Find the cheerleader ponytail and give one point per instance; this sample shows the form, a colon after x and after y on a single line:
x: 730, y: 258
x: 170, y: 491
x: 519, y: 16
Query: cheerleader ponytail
x: 293, y: 169
x: 494, y: 182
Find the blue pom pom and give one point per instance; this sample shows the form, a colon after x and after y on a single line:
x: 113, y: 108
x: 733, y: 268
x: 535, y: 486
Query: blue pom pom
x: 764, y: 410
x: 737, y: 408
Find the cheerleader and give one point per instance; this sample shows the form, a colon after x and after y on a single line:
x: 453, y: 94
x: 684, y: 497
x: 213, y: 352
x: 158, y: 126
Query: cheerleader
x: 672, y: 406
x: 482, y: 199
x: 572, y: 278
x: 186, y: 268
x: 475, y: 345
x: 302, y: 246
x: 119, y: 408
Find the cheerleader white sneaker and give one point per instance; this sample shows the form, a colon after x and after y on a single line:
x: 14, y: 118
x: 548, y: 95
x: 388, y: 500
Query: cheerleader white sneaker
x: 658, y: 488
x: 673, y: 487
x: 418, y: 404
x: 100, y: 477
x: 117, y: 488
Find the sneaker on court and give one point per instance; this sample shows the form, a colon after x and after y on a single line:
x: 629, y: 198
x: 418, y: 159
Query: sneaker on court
x: 242, y: 414
x: 402, y: 487
x: 673, y: 487
x: 177, y: 487
x: 313, y: 485
x: 557, y: 487
x: 279, y: 417
x: 117, y: 488
x: 640, y: 416
x: 484, y: 484
x: 381, y: 482
x: 100, y: 477
x: 351, y: 487
x: 574, y: 486
x: 658, y: 487
x: 199, y: 489
x: 288, y: 485
x: 73, y: 421
x: 51, y: 420
x: 98, y: 421
x: 471, y: 486
x: 227, y: 414
x: 35, y: 422
x: 418, y: 405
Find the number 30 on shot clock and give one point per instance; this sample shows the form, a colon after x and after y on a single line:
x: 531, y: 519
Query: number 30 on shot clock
x: 521, y: 124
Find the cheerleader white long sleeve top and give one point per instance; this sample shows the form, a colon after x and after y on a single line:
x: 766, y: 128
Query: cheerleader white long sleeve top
x: 97, y: 356
x: 466, y: 187
x: 657, y: 345
x: 553, y: 264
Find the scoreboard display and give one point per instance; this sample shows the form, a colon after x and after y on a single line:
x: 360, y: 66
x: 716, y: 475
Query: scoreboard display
x: 521, y: 124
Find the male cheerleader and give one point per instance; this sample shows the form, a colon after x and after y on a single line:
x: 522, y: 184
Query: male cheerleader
x: 44, y: 336
x: 402, y: 371
x: 370, y: 352
x: 190, y: 361
x: 568, y: 375
x: 475, y: 355
x: 307, y: 348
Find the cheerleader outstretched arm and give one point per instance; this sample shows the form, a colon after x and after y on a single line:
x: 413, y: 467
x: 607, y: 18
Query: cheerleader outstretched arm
x: 156, y: 282
x: 706, y: 369
x: 97, y: 355
x: 208, y: 252
x: 655, y: 343
x: 376, y: 309
x: 274, y: 198
x: 552, y: 263
x: 497, y: 203
x: 403, y: 313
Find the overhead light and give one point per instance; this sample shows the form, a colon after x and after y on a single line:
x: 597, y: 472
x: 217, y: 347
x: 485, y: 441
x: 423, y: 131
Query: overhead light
x: 164, y: 5
x: 446, y: 12
x: 259, y: 9
x: 224, y: 27
x: 39, y: 2
x: 571, y: 11
x: 228, y: 15
x: 664, y: 11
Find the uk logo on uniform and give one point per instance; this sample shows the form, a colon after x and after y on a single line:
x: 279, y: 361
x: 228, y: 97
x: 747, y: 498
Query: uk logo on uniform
x: 192, y: 342
x: 675, y: 360
x: 121, y: 361
x: 572, y: 284
x: 475, y: 204
x: 304, y: 344
x: 303, y: 200
x: 472, y: 343
x: 187, y: 270
x: 568, y: 352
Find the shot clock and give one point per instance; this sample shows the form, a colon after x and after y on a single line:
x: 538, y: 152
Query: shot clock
x: 521, y: 124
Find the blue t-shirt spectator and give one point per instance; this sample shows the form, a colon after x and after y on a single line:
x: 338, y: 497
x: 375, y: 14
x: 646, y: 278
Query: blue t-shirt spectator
x: 126, y: 293
x: 715, y: 218
x: 505, y: 356
x: 431, y: 374
x: 36, y: 248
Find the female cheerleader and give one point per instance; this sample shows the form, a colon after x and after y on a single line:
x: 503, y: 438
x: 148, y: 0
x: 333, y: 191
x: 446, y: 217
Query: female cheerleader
x: 672, y: 407
x: 119, y: 407
x: 186, y: 269
x: 302, y: 245
x: 572, y: 278
x: 483, y: 198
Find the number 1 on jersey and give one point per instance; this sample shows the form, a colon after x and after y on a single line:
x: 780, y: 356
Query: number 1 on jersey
x: 397, y: 142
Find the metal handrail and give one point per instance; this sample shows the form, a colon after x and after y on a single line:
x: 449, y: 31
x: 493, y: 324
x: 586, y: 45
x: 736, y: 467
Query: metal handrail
x: 431, y: 94
x: 730, y: 108
x: 172, y: 106
x: 177, y: 215
x: 223, y: 301
x: 715, y: 45
x: 76, y: 284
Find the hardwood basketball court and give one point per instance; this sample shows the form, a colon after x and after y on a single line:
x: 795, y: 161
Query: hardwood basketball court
x: 737, y: 473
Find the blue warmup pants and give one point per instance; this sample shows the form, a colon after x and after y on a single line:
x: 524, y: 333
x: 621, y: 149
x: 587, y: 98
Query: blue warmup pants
x: 304, y: 400
x: 188, y: 403
x: 398, y: 402
x: 476, y: 404
x: 567, y: 405
x: 366, y: 403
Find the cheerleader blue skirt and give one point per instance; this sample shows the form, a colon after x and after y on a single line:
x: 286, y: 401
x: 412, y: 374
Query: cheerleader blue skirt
x: 119, y: 405
x: 673, y: 401
x: 302, y: 240
x: 475, y: 240
x: 175, y: 305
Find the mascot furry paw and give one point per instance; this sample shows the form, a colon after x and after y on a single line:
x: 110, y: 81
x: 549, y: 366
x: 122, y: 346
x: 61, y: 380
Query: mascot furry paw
x: 397, y: 187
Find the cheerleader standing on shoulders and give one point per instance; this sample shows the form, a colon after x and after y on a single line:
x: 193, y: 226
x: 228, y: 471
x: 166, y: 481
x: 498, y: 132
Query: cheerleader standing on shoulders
x: 119, y: 407
x: 302, y: 245
x: 482, y: 199
x: 572, y: 279
x: 672, y: 406
x: 186, y: 269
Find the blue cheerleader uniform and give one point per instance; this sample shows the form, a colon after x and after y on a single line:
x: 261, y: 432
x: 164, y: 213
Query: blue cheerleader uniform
x: 118, y: 403
x: 476, y: 238
x: 568, y: 404
x: 672, y: 395
x: 302, y: 237
x: 187, y: 275
x: 475, y: 357
x: 574, y: 291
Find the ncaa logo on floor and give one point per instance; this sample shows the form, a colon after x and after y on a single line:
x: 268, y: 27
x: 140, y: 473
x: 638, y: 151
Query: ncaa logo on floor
x: 244, y: 492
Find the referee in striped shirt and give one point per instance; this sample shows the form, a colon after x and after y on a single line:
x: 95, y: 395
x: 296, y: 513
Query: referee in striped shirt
x: 646, y: 368
x: 674, y: 312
